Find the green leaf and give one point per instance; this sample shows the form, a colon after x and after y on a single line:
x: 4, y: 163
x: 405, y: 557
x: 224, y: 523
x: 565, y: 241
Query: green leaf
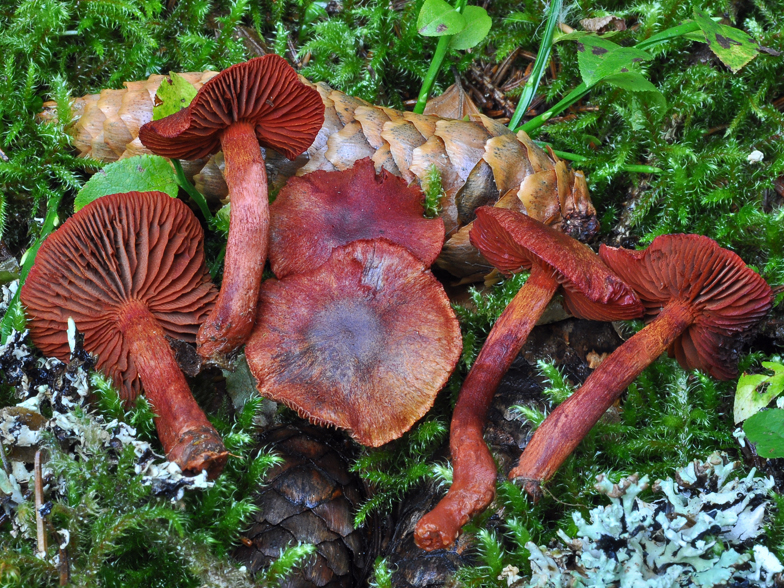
x: 630, y: 80
x: 599, y: 58
x: 734, y: 47
x: 590, y: 51
x: 766, y: 430
x: 437, y: 18
x: 573, y: 36
x: 751, y: 397
x: 142, y: 173
x: 174, y: 93
x: 478, y: 24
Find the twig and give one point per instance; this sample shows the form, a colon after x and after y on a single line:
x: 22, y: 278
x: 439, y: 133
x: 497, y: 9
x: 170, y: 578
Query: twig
x: 504, y: 67
x: 39, y: 503
x: 490, y: 88
x: 65, y: 567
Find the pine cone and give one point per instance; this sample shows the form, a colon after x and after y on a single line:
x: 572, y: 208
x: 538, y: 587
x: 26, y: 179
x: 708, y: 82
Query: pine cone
x: 480, y: 160
x: 309, y: 498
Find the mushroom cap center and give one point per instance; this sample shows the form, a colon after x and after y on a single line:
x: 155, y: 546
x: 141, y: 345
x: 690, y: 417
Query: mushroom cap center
x: 348, y: 334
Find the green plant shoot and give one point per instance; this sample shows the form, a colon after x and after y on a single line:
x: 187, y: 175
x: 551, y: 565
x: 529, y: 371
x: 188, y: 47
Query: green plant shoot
x: 459, y: 27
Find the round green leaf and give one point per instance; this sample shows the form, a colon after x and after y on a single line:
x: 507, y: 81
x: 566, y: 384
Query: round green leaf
x: 766, y: 430
x: 174, y: 94
x: 437, y: 18
x: 143, y: 173
x: 478, y: 24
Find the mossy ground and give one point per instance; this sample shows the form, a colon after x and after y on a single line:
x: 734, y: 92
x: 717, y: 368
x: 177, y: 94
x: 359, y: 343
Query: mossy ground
x: 700, y: 139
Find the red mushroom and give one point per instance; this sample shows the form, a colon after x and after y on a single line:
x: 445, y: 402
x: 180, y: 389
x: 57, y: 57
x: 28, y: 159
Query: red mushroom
x: 258, y: 102
x: 320, y: 211
x: 129, y: 269
x: 702, y: 298
x: 364, y: 342
x: 512, y: 242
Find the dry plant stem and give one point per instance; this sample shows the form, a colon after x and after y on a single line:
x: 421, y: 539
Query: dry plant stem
x: 474, y: 471
x: 39, y: 502
x: 187, y: 436
x: 231, y: 320
x: 569, y: 423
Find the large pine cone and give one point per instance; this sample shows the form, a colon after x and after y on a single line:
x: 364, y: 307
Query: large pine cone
x: 309, y: 498
x: 480, y: 161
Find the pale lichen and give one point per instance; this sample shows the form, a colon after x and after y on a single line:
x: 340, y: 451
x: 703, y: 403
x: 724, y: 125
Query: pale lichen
x: 700, y: 533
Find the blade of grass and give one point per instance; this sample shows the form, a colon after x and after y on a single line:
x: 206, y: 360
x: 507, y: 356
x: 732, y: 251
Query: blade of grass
x: 29, y: 260
x: 531, y: 85
x: 197, y: 196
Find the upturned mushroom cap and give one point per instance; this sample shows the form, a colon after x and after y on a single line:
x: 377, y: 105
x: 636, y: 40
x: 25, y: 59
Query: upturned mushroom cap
x: 364, y: 342
x: 512, y: 242
x: 315, y: 213
x: 124, y: 248
x: 264, y: 91
x: 726, y: 296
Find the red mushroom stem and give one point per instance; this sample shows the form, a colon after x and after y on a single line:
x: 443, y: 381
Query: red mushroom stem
x: 187, y: 436
x: 570, y: 422
x: 474, y: 471
x: 231, y: 320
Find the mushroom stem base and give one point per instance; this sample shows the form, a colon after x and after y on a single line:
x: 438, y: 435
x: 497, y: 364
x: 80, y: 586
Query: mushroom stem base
x: 570, y: 422
x: 474, y: 471
x: 231, y: 320
x: 187, y: 436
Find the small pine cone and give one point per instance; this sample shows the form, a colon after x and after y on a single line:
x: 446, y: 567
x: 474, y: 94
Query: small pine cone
x: 309, y: 498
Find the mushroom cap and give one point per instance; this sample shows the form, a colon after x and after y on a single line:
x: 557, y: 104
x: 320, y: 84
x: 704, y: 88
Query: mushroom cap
x: 512, y: 241
x: 317, y: 212
x: 264, y: 91
x: 364, y: 342
x: 726, y: 296
x: 139, y: 246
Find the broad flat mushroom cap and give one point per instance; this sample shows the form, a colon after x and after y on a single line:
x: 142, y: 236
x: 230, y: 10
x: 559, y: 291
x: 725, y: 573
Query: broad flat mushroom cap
x: 364, y: 342
x: 264, y: 91
x: 315, y: 213
x: 512, y: 241
x: 726, y: 296
x: 124, y: 248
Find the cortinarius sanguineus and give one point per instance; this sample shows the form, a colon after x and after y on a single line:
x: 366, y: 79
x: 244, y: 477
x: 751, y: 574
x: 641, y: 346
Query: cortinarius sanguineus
x: 364, y: 342
x: 702, y: 298
x: 258, y: 102
x: 322, y: 210
x: 512, y: 242
x: 129, y: 269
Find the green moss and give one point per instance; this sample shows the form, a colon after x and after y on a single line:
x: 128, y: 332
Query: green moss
x: 712, y: 120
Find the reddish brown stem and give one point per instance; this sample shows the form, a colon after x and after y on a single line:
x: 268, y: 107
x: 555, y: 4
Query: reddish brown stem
x: 474, y: 472
x: 231, y: 320
x: 569, y: 423
x: 187, y: 436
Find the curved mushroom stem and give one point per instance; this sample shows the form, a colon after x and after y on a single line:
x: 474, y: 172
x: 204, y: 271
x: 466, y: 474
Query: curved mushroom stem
x: 231, y: 320
x: 569, y: 423
x: 474, y: 471
x: 187, y: 436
